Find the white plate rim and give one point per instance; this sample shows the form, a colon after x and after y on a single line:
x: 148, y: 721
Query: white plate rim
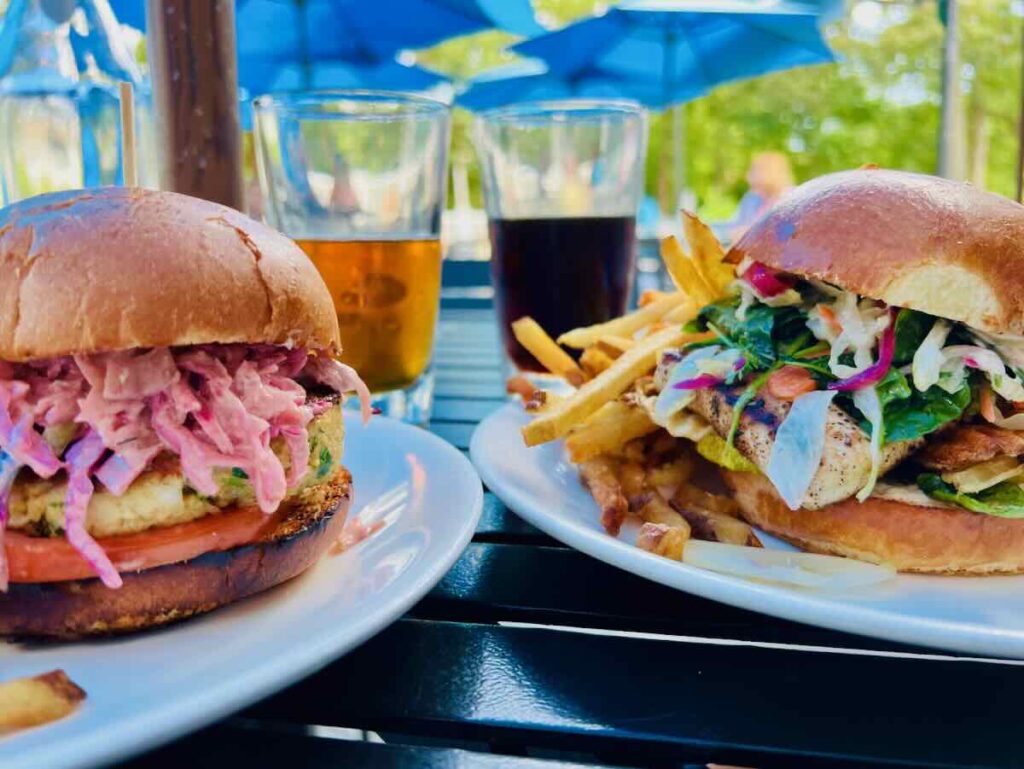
x: 180, y: 716
x: 792, y: 604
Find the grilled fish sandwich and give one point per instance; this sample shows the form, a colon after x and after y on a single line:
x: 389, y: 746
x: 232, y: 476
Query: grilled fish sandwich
x: 170, y: 411
x: 866, y: 374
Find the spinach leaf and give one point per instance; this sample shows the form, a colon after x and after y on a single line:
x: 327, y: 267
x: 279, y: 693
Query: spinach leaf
x: 911, y: 329
x: 923, y: 412
x: 907, y: 413
x: 763, y: 335
x: 1005, y: 499
x: 893, y: 387
x: 752, y: 335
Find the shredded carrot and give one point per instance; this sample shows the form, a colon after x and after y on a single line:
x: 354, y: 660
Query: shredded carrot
x: 987, y: 404
x: 829, y: 316
x: 790, y: 382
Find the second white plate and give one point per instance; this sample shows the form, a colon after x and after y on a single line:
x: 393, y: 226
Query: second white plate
x: 979, y: 615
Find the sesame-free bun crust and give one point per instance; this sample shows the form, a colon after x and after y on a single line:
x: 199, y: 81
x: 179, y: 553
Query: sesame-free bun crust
x: 116, y: 268
x: 910, y: 240
x: 933, y: 540
x: 165, y: 594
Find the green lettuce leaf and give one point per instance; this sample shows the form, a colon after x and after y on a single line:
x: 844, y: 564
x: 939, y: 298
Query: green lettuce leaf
x: 764, y: 335
x: 907, y: 413
x: 923, y: 412
x: 911, y: 329
x: 1005, y: 500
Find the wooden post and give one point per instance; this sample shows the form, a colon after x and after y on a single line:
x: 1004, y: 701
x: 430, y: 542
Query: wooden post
x: 1020, y: 132
x: 191, y: 47
x: 951, y: 139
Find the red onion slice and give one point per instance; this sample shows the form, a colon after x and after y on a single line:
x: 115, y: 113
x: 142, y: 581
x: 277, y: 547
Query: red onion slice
x: 766, y: 281
x: 874, y: 373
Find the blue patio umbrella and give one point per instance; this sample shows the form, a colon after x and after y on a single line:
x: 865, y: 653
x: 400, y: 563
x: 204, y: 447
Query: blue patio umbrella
x: 662, y: 53
x: 532, y: 80
x: 311, y: 48
x: 334, y: 28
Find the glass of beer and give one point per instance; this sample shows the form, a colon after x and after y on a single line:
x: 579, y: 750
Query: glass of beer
x: 357, y: 178
x: 562, y: 182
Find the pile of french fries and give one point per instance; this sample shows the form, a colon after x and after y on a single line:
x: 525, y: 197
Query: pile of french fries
x: 632, y: 467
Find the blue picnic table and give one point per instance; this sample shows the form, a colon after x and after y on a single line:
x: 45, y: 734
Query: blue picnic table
x: 530, y: 655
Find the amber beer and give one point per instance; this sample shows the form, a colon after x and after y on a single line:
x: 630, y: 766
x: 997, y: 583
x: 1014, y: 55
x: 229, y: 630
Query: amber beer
x: 386, y: 293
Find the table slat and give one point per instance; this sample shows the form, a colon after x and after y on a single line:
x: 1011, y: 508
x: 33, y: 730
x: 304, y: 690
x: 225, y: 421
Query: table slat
x: 749, y: 705
x: 499, y: 524
x: 561, y: 586
x: 226, y: 746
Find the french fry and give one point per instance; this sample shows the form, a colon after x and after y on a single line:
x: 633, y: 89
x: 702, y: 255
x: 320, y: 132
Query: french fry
x: 521, y: 386
x: 708, y: 517
x: 671, y: 475
x: 607, y: 430
x: 664, y: 540
x: 614, y: 346
x: 598, y: 476
x: 657, y: 510
x: 649, y: 296
x: 684, y: 273
x: 594, y: 361
x: 542, y: 347
x: 684, y: 313
x: 708, y: 254
x: 691, y: 496
x: 634, y: 483
x: 611, y: 383
x: 627, y: 325
x: 26, y: 702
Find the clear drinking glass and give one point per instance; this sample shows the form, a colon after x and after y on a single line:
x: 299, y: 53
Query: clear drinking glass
x: 562, y: 183
x: 357, y: 178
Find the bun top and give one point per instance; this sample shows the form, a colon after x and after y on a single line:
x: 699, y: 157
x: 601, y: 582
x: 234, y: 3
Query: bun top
x: 910, y: 240
x: 116, y: 268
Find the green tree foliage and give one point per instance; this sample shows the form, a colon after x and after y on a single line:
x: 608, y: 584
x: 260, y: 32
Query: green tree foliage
x: 879, y: 104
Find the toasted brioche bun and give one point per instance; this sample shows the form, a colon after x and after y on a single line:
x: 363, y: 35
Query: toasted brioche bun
x: 934, y: 540
x: 115, y: 268
x: 164, y: 594
x: 910, y: 240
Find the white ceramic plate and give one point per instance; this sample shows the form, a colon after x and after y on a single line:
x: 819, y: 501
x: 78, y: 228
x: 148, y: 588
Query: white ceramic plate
x: 147, y: 689
x: 979, y: 615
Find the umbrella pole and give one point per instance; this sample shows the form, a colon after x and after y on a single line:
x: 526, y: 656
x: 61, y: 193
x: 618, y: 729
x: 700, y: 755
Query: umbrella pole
x: 196, y: 116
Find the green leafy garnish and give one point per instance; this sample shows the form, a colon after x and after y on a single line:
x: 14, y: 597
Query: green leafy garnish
x: 744, y: 400
x: 752, y: 336
x: 1005, y: 499
x: 923, y: 412
x: 911, y: 329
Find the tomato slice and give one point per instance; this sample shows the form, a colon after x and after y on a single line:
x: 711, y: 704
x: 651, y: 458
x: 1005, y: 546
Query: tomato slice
x: 53, y: 559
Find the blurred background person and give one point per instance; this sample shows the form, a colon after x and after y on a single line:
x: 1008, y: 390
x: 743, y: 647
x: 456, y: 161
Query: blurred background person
x: 770, y: 177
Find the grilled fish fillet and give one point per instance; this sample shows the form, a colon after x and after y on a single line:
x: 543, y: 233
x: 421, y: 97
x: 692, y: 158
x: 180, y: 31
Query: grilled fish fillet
x: 967, y: 445
x: 846, y: 460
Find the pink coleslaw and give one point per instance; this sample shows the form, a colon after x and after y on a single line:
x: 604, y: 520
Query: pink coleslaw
x: 213, y: 406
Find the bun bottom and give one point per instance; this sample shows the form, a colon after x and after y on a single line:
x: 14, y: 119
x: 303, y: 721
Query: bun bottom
x: 929, y: 540
x: 165, y: 594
